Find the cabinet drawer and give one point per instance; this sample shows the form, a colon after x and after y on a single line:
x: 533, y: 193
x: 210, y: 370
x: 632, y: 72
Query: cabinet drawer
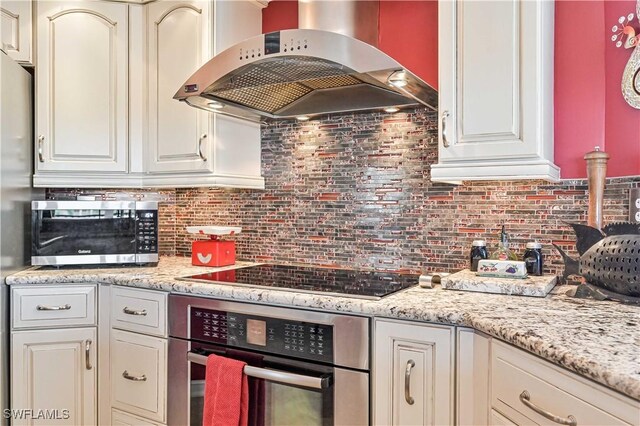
x: 498, y: 419
x: 138, y: 374
x: 53, y: 306
x: 118, y: 418
x: 552, y: 390
x: 142, y: 311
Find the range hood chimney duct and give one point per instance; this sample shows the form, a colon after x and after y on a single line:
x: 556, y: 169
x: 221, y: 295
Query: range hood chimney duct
x: 353, y: 18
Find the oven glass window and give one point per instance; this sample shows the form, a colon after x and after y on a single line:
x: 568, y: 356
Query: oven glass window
x: 272, y: 403
x: 83, y: 232
x: 286, y: 405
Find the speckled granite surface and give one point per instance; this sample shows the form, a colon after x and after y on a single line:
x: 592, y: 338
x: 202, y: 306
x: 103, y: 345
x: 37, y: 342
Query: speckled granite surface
x: 533, y: 286
x: 599, y: 340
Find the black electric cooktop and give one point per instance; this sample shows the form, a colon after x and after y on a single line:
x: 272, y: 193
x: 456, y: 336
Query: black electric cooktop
x: 340, y: 282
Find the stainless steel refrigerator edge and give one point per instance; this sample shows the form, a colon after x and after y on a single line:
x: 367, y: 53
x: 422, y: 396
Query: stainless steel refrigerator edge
x: 16, y: 142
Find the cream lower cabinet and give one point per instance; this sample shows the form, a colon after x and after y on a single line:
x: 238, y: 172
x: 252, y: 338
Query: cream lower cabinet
x: 495, y: 91
x: 527, y: 390
x: 139, y: 374
x: 138, y: 356
x: 54, y: 375
x: 118, y: 418
x: 54, y: 358
x: 413, y: 373
x: 473, y: 359
x: 498, y: 419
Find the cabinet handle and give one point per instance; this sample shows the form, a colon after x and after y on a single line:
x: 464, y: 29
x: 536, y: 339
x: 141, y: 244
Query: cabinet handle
x: 202, y: 138
x: 128, y: 311
x: 40, y: 143
x: 525, y: 398
x: 87, y: 354
x: 53, y: 308
x: 127, y: 376
x: 407, y: 382
x: 443, y: 120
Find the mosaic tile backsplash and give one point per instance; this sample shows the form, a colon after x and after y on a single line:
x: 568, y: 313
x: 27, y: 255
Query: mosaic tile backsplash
x: 353, y: 190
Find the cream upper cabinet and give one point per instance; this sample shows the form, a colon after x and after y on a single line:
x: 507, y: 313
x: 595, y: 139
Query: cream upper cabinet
x: 81, y: 87
x: 55, y: 371
x: 179, y: 37
x: 413, y: 373
x: 182, y: 36
x: 107, y: 73
x: 495, y: 91
x: 16, y: 30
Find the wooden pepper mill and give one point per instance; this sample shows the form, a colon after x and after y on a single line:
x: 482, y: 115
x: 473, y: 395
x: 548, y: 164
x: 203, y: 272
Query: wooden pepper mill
x: 596, y: 174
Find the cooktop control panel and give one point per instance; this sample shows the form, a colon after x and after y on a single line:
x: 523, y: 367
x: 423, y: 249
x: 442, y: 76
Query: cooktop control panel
x: 272, y: 335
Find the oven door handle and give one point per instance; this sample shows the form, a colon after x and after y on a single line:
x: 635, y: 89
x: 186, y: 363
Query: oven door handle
x: 273, y: 375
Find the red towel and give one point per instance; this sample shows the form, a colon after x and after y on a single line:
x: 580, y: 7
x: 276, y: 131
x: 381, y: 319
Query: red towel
x: 226, y: 393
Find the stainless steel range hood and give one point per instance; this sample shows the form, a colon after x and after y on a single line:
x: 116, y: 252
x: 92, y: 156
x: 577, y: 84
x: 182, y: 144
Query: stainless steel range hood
x: 309, y: 71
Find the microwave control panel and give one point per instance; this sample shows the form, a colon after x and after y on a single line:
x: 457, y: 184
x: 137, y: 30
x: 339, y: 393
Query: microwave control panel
x: 147, y: 231
x: 272, y: 335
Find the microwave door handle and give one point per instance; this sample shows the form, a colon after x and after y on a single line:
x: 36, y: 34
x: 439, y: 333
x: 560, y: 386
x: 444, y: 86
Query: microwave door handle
x: 273, y: 375
x: 52, y: 240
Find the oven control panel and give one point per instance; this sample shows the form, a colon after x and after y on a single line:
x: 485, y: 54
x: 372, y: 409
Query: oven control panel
x: 273, y: 335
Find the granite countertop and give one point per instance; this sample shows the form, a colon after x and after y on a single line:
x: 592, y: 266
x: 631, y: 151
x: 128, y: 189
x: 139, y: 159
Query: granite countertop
x: 598, y: 340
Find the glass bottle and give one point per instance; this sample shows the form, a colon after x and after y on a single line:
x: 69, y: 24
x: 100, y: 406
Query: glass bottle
x: 478, y: 252
x: 503, y: 252
x: 533, y: 258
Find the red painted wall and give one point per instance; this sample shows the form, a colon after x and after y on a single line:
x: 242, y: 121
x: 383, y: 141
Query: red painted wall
x: 280, y: 15
x: 402, y: 20
x: 589, y: 108
x: 622, y: 122
x: 579, y: 89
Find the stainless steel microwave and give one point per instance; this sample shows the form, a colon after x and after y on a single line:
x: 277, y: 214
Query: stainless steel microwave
x: 94, y: 232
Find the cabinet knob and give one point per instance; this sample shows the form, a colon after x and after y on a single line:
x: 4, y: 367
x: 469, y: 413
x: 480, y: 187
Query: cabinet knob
x: 443, y: 121
x: 202, y: 138
x: 40, y: 144
x: 407, y: 382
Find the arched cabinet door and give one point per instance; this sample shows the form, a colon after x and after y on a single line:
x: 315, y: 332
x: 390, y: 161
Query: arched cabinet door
x: 180, y: 39
x: 81, y: 86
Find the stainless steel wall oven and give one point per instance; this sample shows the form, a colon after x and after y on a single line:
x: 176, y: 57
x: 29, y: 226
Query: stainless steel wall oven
x: 304, y: 367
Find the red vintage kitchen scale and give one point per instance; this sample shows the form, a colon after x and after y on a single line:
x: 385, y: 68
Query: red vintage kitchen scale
x: 214, y: 251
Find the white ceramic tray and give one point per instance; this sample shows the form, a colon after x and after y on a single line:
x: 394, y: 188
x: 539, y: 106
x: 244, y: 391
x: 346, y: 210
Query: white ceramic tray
x: 531, y: 286
x: 214, y: 230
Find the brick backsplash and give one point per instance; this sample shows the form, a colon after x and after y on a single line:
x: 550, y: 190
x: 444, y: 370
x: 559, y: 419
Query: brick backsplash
x: 353, y: 190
